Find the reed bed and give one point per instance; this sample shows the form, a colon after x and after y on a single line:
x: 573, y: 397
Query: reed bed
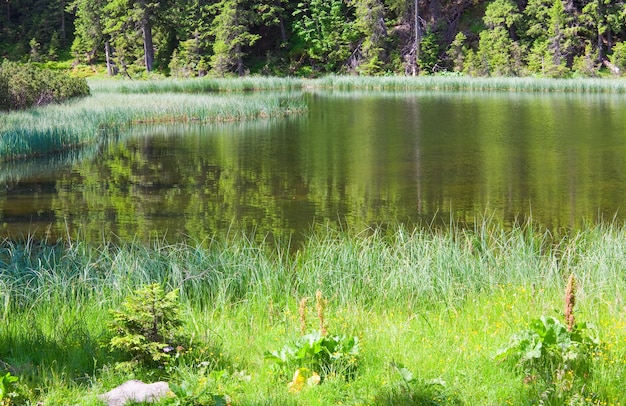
x: 467, y: 83
x: 198, y: 85
x: 68, y: 126
x: 115, y: 104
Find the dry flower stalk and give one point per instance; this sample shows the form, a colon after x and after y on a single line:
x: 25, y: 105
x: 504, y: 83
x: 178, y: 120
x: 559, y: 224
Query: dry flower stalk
x: 320, y: 305
x: 570, y: 301
x: 302, y: 313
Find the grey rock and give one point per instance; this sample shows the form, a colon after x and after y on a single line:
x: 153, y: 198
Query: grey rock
x: 135, y: 391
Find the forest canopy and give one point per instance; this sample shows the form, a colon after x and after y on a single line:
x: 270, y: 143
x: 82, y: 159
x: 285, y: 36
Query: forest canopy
x: 554, y: 38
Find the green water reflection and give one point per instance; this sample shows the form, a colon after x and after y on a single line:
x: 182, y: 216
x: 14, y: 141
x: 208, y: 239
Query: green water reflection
x: 355, y: 159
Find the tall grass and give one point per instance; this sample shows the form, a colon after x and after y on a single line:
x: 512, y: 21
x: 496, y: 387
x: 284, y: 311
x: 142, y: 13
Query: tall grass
x: 369, y: 268
x: 62, y: 127
x: 467, y: 83
x: 387, y: 83
x: 441, y: 303
x: 198, y: 85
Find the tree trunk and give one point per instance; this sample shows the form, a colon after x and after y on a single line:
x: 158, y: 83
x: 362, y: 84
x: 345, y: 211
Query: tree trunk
x: 148, y: 46
x: 111, y: 69
x: 8, y: 13
x: 418, y: 36
x: 63, y: 33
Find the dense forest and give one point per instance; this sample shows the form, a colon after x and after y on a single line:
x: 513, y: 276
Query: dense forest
x: 556, y: 38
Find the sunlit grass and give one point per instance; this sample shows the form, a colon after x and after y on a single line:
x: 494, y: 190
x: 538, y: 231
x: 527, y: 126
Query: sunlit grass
x: 467, y: 83
x: 439, y: 303
x: 56, y: 128
x: 198, y: 85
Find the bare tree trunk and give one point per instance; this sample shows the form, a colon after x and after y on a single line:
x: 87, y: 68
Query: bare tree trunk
x: 63, y: 33
x: 240, y: 70
x: 8, y: 13
x: 418, y: 36
x: 148, y: 46
x: 111, y: 69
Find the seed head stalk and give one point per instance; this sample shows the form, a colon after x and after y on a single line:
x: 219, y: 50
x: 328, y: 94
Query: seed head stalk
x: 570, y: 301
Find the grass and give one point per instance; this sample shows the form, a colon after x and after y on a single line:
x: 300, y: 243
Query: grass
x: 115, y: 104
x: 467, y: 83
x: 439, y: 303
x: 57, y: 128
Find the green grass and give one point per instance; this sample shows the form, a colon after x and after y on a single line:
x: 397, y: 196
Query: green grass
x: 56, y: 128
x: 115, y: 104
x: 440, y: 303
x: 467, y: 83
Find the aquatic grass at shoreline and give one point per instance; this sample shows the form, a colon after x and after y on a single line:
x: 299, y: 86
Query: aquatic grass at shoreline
x: 477, y: 84
x: 373, y: 83
x: 67, y: 126
x: 197, y: 85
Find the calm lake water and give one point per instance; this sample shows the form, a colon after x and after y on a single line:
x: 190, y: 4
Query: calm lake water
x: 354, y: 159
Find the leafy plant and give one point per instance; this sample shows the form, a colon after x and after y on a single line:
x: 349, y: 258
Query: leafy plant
x: 317, y: 352
x: 405, y: 388
x: 202, y: 391
x: 557, y: 354
x: 147, y: 325
x: 325, y: 355
x: 7, y: 389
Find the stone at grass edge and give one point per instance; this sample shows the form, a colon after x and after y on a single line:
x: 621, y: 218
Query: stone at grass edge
x: 135, y: 391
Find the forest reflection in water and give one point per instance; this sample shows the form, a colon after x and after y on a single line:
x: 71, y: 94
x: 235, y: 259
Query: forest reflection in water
x: 356, y: 159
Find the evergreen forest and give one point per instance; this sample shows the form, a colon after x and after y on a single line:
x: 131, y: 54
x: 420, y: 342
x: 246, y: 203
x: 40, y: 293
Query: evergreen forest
x: 185, y: 38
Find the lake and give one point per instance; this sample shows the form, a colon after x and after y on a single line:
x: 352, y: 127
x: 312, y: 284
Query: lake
x: 356, y: 159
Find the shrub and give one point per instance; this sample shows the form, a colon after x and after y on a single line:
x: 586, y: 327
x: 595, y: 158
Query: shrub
x: 25, y: 85
x: 147, y: 325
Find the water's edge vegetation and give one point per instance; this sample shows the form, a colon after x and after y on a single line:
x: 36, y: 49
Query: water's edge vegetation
x: 114, y: 105
x: 440, y: 304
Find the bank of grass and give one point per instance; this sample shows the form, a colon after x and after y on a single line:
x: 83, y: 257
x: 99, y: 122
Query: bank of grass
x: 386, y: 83
x: 475, y: 84
x: 56, y: 128
x: 439, y: 303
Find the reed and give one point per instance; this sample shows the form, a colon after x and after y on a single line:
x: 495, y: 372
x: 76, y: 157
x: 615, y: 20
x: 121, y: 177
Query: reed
x: 198, y: 85
x: 467, y: 83
x: 69, y: 126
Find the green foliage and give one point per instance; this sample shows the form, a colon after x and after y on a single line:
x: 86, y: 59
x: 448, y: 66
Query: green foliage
x: 556, y: 357
x: 429, y: 52
x: 201, y: 389
x: 24, y: 85
x: 457, y: 52
x: 317, y: 355
x: 370, y: 23
x: 325, y: 33
x: 405, y: 388
x: 147, y: 326
x: 618, y: 58
x: 187, y: 60
x: 232, y: 34
x: 7, y: 389
x: 326, y: 355
x: 89, y: 37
